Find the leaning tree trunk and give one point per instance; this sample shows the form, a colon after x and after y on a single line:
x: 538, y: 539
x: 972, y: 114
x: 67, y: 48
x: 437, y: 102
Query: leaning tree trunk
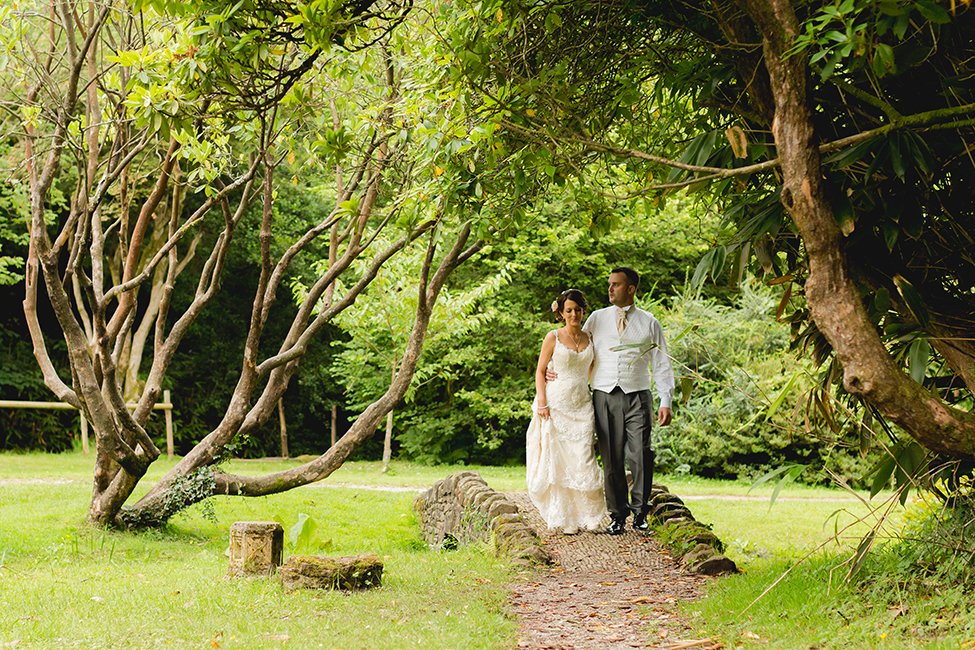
x: 833, y: 299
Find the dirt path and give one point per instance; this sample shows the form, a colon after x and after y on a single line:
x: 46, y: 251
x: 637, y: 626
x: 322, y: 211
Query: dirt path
x: 603, y: 592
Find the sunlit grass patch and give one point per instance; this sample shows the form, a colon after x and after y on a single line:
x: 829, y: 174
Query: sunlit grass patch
x: 814, y: 607
x: 64, y: 584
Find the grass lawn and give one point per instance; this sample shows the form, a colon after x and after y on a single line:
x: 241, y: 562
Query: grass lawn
x: 64, y: 584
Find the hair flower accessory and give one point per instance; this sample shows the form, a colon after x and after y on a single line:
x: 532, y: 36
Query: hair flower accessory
x: 555, y: 305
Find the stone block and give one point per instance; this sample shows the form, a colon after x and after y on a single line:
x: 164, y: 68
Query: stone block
x: 667, y: 511
x: 678, y: 521
x: 255, y: 548
x: 473, y: 492
x: 715, y: 565
x: 707, y: 537
x: 319, y: 572
x: 500, y: 520
x: 666, y: 497
x: 500, y: 508
x: 481, y: 499
x: 698, y: 554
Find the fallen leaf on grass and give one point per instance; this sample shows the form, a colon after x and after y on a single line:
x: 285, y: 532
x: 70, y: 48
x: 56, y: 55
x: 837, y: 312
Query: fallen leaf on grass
x: 608, y: 584
x: 642, y: 600
x: 750, y: 635
x: 663, y: 634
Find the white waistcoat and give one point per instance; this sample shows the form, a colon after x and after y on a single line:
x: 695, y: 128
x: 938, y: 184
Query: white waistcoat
x: 630, y: 368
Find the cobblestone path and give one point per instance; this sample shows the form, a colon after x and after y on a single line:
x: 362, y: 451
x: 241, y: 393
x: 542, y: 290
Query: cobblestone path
x: 603, y: 592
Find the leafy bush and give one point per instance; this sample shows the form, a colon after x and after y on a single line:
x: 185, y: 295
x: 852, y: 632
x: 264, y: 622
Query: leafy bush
x: 734, y: 364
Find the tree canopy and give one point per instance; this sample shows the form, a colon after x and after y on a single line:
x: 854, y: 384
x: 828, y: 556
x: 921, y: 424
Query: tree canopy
x: 836, y: 136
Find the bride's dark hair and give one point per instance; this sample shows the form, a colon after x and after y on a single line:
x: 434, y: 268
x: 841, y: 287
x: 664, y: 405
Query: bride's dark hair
x: 569, y: 294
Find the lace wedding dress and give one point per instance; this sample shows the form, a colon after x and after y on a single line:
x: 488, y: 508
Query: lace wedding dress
x: 564, y: 480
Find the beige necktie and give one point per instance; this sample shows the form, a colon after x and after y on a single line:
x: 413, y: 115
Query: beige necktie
x: 620, y: 320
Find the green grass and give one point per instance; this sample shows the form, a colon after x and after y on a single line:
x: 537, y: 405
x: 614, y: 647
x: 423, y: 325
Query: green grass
x: 64, y: 584
x: 814, y: 607
x: 793, y: 591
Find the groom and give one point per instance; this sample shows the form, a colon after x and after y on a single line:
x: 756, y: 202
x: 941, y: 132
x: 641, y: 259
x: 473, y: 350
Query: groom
x: 621, y: 396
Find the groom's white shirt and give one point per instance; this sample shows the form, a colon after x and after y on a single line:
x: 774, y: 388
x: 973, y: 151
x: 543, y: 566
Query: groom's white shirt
x: 627, y: 368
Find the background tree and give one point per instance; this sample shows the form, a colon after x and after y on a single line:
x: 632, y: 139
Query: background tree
x: 379, y: 328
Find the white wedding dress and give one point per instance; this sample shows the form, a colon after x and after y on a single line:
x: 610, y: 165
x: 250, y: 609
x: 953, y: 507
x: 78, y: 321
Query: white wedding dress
x: 564, y: 480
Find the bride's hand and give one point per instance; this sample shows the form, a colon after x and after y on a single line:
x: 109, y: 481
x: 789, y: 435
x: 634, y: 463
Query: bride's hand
x: 543, y: 412
x: 551, y: 375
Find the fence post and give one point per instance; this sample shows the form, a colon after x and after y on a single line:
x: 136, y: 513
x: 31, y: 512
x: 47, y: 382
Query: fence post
x: 335, y: 409
x: 284, y: 429
x: 84, y: 432
x: 169, y: 424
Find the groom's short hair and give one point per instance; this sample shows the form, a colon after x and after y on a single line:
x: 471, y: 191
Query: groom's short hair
x: 631, y: 275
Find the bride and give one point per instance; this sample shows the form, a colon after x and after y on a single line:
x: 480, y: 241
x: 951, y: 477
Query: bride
x: 564, y: 481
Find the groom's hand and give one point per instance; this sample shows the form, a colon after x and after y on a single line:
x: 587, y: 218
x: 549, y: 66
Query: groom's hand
x: 664, y: 416
x: 551, y: 375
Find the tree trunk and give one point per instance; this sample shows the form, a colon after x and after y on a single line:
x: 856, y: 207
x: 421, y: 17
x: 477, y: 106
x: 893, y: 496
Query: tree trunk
x: 833, y: 299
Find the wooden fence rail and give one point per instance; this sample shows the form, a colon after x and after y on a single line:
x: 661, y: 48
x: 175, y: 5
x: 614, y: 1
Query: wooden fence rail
x: 166, y: 405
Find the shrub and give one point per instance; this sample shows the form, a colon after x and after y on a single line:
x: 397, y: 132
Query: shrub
x: 736, y: 358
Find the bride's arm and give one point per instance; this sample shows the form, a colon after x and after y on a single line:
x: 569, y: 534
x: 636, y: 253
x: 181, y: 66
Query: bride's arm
x: 548, y: 346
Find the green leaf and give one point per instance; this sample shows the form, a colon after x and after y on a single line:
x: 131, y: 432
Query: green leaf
x: 882, y: 472
x: 786, y: 474
x: 918, y: 355
x: 913, y: 300
x: 777, y: 402
x: 701, y: 271
x: 896, y: 159
x: 861, y: 554
x: 923, y: 157
x: 879, y: 160
x: 883, y: 60
x: 684, y: 332
x: 933, y: 11
x: 846, y: 157
x: 891, y: 232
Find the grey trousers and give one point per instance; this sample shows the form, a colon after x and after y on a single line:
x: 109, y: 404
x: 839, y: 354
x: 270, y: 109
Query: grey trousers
x: 623, y: 423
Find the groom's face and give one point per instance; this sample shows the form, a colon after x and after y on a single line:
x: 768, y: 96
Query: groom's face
x: 620, y: 290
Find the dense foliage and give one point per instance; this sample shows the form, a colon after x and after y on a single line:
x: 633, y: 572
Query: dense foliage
x: 856, y: 196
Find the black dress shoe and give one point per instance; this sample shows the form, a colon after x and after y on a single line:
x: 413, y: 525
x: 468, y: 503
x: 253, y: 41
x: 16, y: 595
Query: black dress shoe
x: 640, y: 523
x: 616, y: 527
